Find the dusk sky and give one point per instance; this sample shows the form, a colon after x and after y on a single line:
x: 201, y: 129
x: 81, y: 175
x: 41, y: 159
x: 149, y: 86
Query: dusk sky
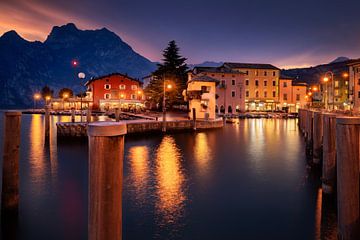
x: 282, y: 32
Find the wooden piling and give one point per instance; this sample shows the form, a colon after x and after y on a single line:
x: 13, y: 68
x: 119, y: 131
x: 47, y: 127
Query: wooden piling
x: 317, y: 137
x: 347, y: 146
x: 194, y: 118
x: 309, y: 132
x: 10, y: 175
x: 47, y: 121
x: 72, y: 114
x: 117, y: 116
x: 106, y: 153
x: 329, y: 153
x: 88, y: 115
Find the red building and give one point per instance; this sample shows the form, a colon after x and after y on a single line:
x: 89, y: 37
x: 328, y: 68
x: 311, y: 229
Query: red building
x: 115, y: 91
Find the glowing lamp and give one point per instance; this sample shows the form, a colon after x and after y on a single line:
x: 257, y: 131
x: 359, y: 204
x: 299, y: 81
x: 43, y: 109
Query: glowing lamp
x: 326, y: 79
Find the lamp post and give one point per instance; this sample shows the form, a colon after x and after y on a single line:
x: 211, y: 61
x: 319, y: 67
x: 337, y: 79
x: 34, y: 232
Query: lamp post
x: 168, y: 86
x: 326, y: 79
x: 81, y: 76
x: 36, y: 98
x: 326, y: 92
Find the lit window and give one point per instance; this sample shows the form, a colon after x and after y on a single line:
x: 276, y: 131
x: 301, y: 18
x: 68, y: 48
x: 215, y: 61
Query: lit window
x: 107, y: 86
x: 133, y: 87
x: 122, y: 86
x: 107, y: 96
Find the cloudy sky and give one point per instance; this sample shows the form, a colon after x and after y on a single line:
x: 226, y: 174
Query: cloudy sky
x: 286, y: 33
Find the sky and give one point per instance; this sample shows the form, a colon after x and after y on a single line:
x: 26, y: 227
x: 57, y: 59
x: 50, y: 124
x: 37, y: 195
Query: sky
x: 286, y: 33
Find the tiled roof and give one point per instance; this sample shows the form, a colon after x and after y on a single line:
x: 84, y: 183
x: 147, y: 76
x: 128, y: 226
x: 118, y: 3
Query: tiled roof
x: 203, y: 78
x: 109, y: 75
x: 250, y: 65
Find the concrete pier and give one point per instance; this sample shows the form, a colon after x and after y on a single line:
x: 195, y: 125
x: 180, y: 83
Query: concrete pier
x: 347, y: 146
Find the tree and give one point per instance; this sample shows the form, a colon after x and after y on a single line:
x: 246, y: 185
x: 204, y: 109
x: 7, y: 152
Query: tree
x: 46, y: 92
x: 173, y: 71
x: 66, y: 93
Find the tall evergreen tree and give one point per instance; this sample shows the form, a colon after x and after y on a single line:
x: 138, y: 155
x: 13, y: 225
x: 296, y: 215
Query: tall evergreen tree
x: 173, y: 71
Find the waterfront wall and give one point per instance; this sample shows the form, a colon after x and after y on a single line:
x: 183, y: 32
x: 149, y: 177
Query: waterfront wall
x: 69, y: 129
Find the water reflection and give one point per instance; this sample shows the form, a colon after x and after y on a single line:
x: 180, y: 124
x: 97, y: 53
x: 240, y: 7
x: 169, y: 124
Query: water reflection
x: 170, y: 180
x: 139, y: 167
x: 202, y: 152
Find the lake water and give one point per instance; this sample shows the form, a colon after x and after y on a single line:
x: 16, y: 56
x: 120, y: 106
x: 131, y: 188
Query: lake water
x: 249, y: 180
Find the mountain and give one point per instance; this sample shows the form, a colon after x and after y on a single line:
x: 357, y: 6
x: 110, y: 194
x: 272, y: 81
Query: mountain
x: 25, y: 67
x: 340, y: 59
x: 205, y: 64
x: 312, y: 75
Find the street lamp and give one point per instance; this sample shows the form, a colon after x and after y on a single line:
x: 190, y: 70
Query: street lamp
x: 169, y: 87
x: 326, y: 80
x: 81, y: 76
x: 47, y: 99
x: 37, y: 96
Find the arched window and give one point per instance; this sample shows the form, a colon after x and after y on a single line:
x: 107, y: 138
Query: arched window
x: 229, y: 109
x: 216, y: 109
x: 222, y: 109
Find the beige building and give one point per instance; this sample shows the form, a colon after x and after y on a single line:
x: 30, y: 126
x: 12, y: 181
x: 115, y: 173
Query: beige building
x: 261, y: 85
x: 354, y: 86
x: 292, y: 96
x: 230, y: 93
x: 201, y: 94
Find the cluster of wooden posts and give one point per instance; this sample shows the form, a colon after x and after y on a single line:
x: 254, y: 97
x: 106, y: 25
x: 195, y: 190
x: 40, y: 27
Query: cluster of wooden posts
x: 106, y: 153
x: 332, y: 139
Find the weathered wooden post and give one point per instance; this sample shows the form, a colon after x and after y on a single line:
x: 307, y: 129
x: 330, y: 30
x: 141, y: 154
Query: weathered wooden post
x: 329, y: 153
x: 309, y: 132
x: 106, y: 153
x: 117, y: 116
x: 72, y: 114
x: 47, y: 121
x: 347, y: 146
x: 194, y: 118
x: 10, y: 176
x: 317, y: 137
x: 88, y: 115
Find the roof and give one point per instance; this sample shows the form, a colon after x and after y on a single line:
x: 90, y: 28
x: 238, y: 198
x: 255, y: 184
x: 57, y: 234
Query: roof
x: 110, y: 75
x: 250, y: 65
x: 203, y: 78
x: 300, y: 84
x: 197, y: 70
x: 283, y: 77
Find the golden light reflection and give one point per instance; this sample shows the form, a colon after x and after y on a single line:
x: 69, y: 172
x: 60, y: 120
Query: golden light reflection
x: 318, y: 215
x: 37, y: 158
x: 202, y: 152
x: 139, y: 158
x: 170, y: 180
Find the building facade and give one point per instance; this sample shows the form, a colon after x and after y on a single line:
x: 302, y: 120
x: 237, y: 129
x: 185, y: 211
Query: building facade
x: 115, y: 91
x: 230, y: 92
x: 354, y: 86
x: 261, y: 85
x: 201, y: 95
x: 292, y: 96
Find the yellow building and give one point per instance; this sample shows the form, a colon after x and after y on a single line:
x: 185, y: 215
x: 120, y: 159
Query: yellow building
x: 292, y: 96
x: 261, y: 85
x: 201, y: 92
x: 354, y: 86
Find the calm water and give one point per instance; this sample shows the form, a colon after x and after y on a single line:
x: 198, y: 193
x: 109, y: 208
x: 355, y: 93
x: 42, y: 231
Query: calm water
x: 246, y: 181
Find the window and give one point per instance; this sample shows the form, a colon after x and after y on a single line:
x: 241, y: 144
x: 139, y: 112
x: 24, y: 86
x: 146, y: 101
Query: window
x: 336, y: 84
x: 107, y: 95
x: 122, y: 86
x: 346, y: 83
x: 257, y: 83
x: 359, y: 81
x: 107, y: 86
x: 256, y: 73
x: 358, y: 94
x: 133, y: 96
x: 274, y: 73
x: 265, y: 73
x: 204, y: 105
x: 336, y: 92
x: 297, y: 97
x: 265, y: 94
x: 233, y: 93
x: 205, y: 89
x: 247, y: 82
x: 274, y: 94
x: 247, y: 72
x: 247, y: 93
x: 233, y: 82
x: 274, y: 83
x: 284, y: 84
x: 222, y: 75
x: 265, y: 83
x: 285, y: 97
x: 133, y: 87
x: 257, y: 94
